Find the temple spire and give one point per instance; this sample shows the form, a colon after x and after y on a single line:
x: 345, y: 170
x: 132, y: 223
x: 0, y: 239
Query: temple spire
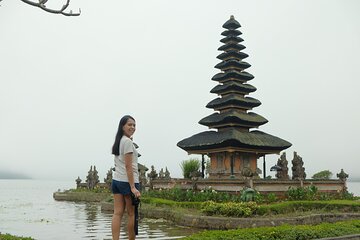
x: 232, y: 139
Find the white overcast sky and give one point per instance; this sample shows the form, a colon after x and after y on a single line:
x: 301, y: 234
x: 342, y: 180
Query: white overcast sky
x: 66, y: 81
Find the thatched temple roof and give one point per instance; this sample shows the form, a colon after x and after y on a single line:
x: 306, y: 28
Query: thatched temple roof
x: 232, y: 138
x: 231, y: 117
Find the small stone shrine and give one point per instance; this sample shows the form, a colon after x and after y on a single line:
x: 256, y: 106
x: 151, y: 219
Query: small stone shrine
x: 233, y: 148
x: 342, y: 175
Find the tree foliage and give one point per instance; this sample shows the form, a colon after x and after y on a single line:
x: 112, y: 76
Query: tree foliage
x: 323, y: 175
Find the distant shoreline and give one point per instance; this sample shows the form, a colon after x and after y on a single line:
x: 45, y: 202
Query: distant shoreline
x: 15, y: 178
x: 19, y: 176
x: 354, y: 180
x: 12, y: 175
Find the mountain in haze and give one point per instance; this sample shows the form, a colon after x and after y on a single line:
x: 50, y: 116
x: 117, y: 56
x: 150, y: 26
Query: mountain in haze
x: 12, y: 175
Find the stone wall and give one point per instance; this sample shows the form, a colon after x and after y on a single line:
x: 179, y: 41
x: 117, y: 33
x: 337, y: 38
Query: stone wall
x: 80, y: 196
x: 278, y: 187
x: 223, y: 223
x: 99, y: 185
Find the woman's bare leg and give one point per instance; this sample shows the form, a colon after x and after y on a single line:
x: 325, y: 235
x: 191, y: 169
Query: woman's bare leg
x: 119, y: 207
x: 130, y: 209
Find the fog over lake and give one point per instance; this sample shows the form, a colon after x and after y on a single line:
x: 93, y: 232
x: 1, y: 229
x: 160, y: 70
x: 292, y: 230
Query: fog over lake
x: 66, y: 81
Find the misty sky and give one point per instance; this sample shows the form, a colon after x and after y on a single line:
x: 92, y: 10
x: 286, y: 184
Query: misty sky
x: 66, y: 81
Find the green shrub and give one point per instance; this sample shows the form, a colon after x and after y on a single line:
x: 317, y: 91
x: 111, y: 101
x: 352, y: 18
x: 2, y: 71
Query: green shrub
x: 347, y: 195
x: 245, y: 209
x: 302, y: 193
x: 271, y: 197
x: 251, y: 208
x: 207, y: 194
x: 303, y: 206
x: 259, y: 198
x: 189, y: 166
x: 166, y: 202
x: 284, y: 232
x: 96, y: 189
x: 231, y: 209
x: 312, y: 193
x: 10, y: 237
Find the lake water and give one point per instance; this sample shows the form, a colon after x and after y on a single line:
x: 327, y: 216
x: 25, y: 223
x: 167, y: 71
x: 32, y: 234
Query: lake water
x: 27, y: 208
x: 354, y: 187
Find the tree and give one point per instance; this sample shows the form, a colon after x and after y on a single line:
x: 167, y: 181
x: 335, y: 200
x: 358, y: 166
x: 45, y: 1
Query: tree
x: 41, y: 4
x: 190, y: 166
x: 323, y: 175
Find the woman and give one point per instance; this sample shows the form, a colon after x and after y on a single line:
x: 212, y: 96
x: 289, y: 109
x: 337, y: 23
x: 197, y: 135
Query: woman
x: 126, y: 177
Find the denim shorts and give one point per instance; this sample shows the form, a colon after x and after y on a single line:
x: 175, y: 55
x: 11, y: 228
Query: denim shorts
x: 118, y: 187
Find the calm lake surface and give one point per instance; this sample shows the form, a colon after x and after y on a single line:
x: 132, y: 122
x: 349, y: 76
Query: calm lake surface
x: 27, y: 208
x: 353, y: 187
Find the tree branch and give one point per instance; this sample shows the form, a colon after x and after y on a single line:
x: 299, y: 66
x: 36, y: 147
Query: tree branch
x: 41, y: 4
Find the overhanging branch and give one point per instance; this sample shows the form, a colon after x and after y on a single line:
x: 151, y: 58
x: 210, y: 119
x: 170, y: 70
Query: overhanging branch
x: 41, y: 4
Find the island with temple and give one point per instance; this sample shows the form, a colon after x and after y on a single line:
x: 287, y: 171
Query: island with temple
x: 233, y: 145
x: 227, y: 189
x: 233, y: 148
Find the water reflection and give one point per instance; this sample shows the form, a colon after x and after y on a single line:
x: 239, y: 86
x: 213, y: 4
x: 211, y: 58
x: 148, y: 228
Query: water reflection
x: 38, y: 215
x: 91, y: 211
x: 161, y: 229
x: 98, y: 224
x: 157, y: 229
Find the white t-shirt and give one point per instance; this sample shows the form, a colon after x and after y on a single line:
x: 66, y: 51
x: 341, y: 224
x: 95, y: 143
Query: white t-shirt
x: 126, y: 146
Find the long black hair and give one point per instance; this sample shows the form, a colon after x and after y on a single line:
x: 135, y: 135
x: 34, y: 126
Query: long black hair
x: 119, y: 134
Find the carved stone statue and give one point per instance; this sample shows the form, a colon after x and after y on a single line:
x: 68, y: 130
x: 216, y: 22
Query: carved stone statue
x: 89, y: 179
x: 246, y: 172
x: 298, y: 171
x: 342, y: 175
x: 167, y: 173
x: 194, y: 178
x: 195, y: 174
x: 108, y: 178
x: 282, y: 173
x: 92, y: 179
x: 95, y: 177
x: 143, y: 180
x: 152, y: 175
x: 142, y: 176
x: 161, y: 173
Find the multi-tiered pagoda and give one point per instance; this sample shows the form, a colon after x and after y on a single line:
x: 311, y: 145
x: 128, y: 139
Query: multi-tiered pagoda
x: 233, y: 149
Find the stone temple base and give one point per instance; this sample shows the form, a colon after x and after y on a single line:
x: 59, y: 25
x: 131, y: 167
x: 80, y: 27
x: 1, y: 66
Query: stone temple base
x: 278, y: 187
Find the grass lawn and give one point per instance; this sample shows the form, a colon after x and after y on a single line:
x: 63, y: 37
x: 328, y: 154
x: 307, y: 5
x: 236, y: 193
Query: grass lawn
x: 284, y: 232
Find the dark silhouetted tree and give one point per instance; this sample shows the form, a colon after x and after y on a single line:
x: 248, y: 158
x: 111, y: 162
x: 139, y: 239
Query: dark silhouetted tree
x: 41, y: 4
